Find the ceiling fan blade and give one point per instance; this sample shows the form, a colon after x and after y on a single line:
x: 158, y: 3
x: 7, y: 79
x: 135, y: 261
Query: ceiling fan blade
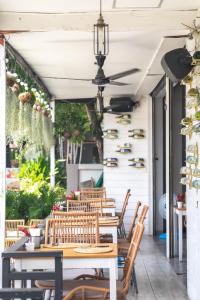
x: 66, y: 78
x: 117, y: 83
x: 123, y: 74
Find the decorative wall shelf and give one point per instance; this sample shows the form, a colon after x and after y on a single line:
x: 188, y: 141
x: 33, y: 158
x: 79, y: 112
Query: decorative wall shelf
x: 110, y: 162
x: 137, y: 165
x: 125, y: 149
x: 110, y: 134
x: 137, y: 162
x: 136, y: 133
x: 191, y: 172
x: 124, y: 119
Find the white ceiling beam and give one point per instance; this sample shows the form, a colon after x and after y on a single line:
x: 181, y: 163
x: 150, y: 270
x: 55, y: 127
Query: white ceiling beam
x: 118, y: 20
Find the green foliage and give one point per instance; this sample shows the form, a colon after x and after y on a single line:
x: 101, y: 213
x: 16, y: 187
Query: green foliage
x: 72, y: 121
x: 26, y: 124
x: 22, y: 205
x: 35, y: 198
x: 34, y: 174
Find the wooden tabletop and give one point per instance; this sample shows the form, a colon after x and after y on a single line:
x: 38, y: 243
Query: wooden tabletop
x: 70, y: 253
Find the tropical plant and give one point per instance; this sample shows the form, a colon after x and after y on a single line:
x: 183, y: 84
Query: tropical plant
x: 71, y: 127
x: 36, y: 197
x: 22, y: 205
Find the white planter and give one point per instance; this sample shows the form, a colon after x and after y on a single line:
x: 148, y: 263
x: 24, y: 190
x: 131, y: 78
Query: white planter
x: 35, y: 231
x: 180, y: 204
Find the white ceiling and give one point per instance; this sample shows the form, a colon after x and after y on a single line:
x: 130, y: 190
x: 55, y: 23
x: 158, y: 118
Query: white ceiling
x: 59, y: 43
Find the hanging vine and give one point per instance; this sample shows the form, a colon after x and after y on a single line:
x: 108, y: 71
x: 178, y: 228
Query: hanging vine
x: 28, y: 111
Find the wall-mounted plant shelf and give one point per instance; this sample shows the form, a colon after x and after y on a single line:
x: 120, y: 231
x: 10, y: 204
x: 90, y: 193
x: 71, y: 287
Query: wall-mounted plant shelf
x: 136, y: 133
x: 124, y: 119
x: 137, y: 162
x: 110, y: 162
x: 191, y: 171
x: 137, y: 165
x: 110, y: 134
x: 125, y: 149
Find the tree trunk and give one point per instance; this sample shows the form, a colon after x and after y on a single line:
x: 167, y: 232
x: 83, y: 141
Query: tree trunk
x: 96, y: 125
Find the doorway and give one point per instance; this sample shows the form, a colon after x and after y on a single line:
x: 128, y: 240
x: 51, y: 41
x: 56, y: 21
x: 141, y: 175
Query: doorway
x: 159, y: 158
x: 168, y: 154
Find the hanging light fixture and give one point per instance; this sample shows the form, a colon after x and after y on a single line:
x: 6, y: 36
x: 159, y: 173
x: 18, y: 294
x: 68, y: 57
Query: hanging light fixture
x: 101, y: 37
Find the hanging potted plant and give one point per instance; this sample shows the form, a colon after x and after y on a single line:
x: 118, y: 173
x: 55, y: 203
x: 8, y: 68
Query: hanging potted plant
x: 24, y: 97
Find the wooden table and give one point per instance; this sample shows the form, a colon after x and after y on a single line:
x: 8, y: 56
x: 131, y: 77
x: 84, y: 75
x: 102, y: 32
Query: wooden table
x: 109, y: 208
x: 73, y: 260
x: 109, y: 228
x: 180, y: 213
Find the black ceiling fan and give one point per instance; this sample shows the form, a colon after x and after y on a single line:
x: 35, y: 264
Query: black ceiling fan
x: 100, y: 78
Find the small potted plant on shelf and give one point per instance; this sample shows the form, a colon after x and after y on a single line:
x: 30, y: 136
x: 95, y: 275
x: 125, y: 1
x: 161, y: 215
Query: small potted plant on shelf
x: 180, y: 199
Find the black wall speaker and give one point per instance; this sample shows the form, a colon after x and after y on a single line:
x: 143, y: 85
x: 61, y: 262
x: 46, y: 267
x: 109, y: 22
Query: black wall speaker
x: 122, y: 104
x: 177, y: 64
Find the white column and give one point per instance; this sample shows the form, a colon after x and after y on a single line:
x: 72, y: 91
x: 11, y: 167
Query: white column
x: 52, y: 151
x: 2, y: 149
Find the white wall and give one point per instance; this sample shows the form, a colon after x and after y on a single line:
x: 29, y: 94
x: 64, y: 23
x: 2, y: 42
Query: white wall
x: 118, y: 180
x: 193, y: 245
x: 193, y: 236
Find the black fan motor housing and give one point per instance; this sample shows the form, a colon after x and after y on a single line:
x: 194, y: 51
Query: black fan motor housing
x: 122, y: 104
x: 177, y: 64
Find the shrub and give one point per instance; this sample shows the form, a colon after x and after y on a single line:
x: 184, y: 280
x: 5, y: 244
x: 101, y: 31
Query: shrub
x: 35, y: 198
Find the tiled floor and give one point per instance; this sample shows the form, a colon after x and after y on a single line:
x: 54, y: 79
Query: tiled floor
x: 156, y: 276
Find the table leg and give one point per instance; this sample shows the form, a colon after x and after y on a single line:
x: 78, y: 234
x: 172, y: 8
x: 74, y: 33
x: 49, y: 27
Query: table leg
x: 113, y: 283
x: 114, y: 235
x: 18, y: 267
x: 180, y: 233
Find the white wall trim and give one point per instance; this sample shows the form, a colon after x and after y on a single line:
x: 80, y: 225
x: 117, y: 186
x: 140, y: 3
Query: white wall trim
x: 150, y: 164
x: 2, y: 151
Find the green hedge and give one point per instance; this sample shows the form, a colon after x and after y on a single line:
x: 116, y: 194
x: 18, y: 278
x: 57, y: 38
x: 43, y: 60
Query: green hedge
x: 22, y: 205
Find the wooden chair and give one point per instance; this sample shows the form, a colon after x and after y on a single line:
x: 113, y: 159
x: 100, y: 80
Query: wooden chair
x: 143, y: 214
x: 92, y: 205
x: 33, y: 222
x: 123, y: 244
x: 92, y: 193
x: 9, y: 241
x: 121, y: 228
x: 99, y: 289
x: 72, y: 228
x: 12, y: 226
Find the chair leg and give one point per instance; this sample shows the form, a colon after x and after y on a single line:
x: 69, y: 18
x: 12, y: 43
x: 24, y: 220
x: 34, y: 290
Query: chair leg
x: 134, y: 280
x: 119, y: 233
x: 124, y: 231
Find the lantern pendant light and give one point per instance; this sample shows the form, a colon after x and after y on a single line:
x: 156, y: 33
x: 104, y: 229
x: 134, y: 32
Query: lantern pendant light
x: 101, y: 38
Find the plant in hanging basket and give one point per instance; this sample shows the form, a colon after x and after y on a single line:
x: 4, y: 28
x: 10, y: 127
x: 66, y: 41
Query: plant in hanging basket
x: 10, y: 79
x: 46, y: 112
x: 24, y: 97
x: 15, y: 88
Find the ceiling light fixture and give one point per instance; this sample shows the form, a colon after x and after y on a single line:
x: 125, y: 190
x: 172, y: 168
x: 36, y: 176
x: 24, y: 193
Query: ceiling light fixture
x: 101, y: 39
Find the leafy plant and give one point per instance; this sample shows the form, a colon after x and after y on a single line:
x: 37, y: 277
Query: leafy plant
x: 36, y: 197
x: 34, y: 174
x: 22, y: 205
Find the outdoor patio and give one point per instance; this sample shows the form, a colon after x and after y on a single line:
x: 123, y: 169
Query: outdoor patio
x: 99, y: 160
